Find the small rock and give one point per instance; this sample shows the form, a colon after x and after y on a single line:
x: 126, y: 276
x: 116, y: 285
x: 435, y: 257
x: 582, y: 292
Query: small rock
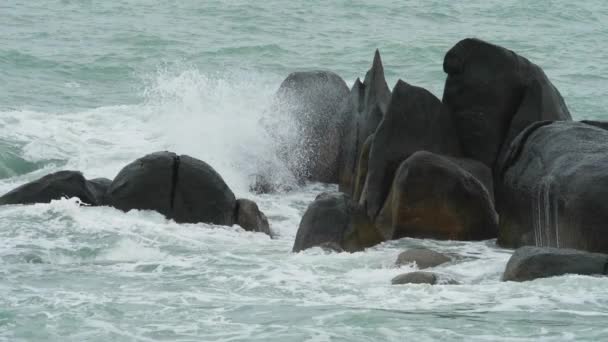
x: 251, y: 218
x: 422, y: 278
x: 423, y: 257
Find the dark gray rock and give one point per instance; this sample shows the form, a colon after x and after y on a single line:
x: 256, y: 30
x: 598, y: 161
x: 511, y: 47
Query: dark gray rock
x: 334, y: 220
x: 552, y: 187
x: 420, y: 277
x: 433, y: 197
x: 493, y: 94
x: 415, y: 120
x: 182, y: 188
x: 201, y: 195
x: 251, y: 218
x: 599, y: 124
x: 53, y: 187
x: 145, y: 184
x: 423, y: 257
x: 99, y: 187
x: 529, y: 263
x: 310, y: 123
x: 364, y: 110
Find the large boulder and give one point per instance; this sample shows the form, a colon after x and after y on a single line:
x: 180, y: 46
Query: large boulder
x: 493, y: 94
x: 433, y: 197
x: 364, y: 110
x: 528, y: 263
x: 334, y: 220
x: 251, y: 218
x: 53, y: 187
x: 146, y: 184
x: 552, y: 187
x: 306, y: 122
x: 415, y: 120
x: 182, y: 188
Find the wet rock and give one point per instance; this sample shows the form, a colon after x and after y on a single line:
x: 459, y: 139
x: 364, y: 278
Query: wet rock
x: 529, y: 263
x: 421, y: 278
x: 54, y: 186
x: 201, y: 195
x: 99, y: 187
x: 552, y: 188
x: 364, y: 110
x: 145, y: 184
x: 309, y: 128
x: 415, y: 120
x: 182, y: 188
x: 433, y: 197
x: 494, y: 94
x: 251, y: 218
x: 333, y: 219
x: 423, y: 257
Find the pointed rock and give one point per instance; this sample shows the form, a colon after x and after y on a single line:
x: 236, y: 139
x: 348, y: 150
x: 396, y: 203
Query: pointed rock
x: 364, y: 112
x: 415, y: 120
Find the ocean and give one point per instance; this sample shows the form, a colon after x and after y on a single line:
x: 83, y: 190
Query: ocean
x: 91, y: 86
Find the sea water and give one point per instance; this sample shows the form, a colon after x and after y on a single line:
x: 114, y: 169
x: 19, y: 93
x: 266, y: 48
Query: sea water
x: 91, y: 85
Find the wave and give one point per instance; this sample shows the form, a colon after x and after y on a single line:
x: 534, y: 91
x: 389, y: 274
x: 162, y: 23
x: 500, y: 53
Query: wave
x: 213, y: 117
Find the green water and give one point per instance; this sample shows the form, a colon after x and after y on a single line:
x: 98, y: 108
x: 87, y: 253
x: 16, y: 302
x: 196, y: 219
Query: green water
x: 92, y: 85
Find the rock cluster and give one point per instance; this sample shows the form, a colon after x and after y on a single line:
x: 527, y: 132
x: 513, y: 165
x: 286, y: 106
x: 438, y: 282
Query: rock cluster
x: 182, y: 188
x: 498, y: 157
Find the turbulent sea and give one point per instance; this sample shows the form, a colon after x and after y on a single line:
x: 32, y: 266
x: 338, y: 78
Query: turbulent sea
x: 92, y: 85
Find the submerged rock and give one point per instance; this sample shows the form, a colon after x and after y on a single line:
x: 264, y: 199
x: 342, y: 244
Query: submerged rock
x: 433, y: 197
x: 363, y: 112
x: 250, y: 218
x: 333, y: 219
x: 310, y: 124
x: 182, y: 188
x: 529, y: 263
x: 420, y: 277
x: 553, y: 186
x: 62, y: 184
x: 493, y: 94
x: 423, y: 257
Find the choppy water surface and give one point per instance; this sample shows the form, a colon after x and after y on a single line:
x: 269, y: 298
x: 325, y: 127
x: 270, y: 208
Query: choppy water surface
x: 93, y: 85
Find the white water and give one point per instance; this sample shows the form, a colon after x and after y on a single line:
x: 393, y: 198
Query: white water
x: 78, y: 273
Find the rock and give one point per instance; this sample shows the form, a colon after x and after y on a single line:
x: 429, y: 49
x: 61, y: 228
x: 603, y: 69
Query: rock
x: 362, y: 168
x: 53, y: 187
x: 423, y: 257
x: 599, y: 124
x: 479, y: 170
x: 528, y: 263
x: 262, y: 184
x: 99, y: 187
x: 250, y: 218
x: 180, y: 187
x: 146, y: 184
x: 433, y: 197
x: 310, y: 124
x: 493, y: 94
x: 364, y: 110
x: 201, y: 195
x: 333, y: 219
x: 421, y: 278
x: 415, y: 120
x: 552, y: 187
